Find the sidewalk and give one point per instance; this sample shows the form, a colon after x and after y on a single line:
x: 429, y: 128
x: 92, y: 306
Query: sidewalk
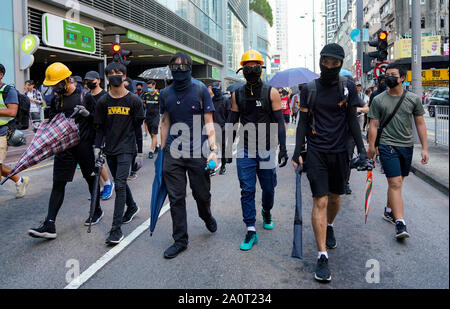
x: 436, y: 172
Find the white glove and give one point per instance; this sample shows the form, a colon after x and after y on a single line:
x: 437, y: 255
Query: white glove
x: 82, y: 110
x: 139, y: 161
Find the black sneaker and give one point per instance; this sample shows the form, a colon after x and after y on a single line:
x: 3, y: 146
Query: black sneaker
x: 151, y: 155
x: 129, y: 214
x: 388, y: 216
x: 223, y: 170
x: 157, y: 149
x: 173, y: 251
x: 95, y: 219
x: 211, y: 225
x: 402, y: 233
x: 115, y: 237
x: 348, y: 191
x: 322, y: 273
x: 331, y: 240
x: 47, y: 231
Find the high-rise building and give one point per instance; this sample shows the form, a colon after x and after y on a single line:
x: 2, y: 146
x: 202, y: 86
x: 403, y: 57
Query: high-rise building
x: 279, y: 33
x: 332, y: 19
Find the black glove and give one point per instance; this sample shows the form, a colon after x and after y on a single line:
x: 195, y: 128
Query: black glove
x: 282, y: 156
x: 365, y: 165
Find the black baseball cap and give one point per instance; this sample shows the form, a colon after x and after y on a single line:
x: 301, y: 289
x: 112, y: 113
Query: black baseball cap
x: 2, y: 69
x: 333, y: 50
x: 91, y: 75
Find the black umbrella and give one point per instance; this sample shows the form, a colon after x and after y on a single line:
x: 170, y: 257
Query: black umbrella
x: 297, y: 251
x: 96, y: 189
x: 235, y: 86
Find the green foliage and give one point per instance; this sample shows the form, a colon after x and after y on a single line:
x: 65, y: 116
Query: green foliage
x: 262, y: 7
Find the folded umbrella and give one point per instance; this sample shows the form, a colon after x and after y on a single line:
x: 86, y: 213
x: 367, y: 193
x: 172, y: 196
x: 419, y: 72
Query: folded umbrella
x: 292, y: 77
x: 159, y: 192
x: 297, y: 251
x: 54, y: 137
x: 368, y: 195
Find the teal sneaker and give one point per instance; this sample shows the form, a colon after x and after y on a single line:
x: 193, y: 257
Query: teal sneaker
x: 250, y: 239
x: 267, y: 220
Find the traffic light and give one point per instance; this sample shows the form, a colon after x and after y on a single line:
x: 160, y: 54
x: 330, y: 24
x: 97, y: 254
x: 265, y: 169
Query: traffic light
x: 367, y: 63
x: 121, y: 55
x: 382, y: 45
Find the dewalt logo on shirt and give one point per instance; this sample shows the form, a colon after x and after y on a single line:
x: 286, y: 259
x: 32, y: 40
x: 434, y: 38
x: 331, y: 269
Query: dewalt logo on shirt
x: 118, y: 110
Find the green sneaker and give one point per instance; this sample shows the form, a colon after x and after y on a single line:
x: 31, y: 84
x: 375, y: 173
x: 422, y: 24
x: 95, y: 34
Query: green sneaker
x: 267, y: 220
x: 250, y: 239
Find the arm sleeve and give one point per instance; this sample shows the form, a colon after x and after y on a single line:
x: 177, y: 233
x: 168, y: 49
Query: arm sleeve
x: 281, y: 128
x: 355, y: 129
x: 300, y: 136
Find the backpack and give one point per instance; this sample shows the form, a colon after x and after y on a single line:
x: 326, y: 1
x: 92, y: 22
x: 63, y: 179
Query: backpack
x: 22, y: 119
x: 312, y: 94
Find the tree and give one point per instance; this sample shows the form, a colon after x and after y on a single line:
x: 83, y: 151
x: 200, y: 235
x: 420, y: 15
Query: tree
x: 263, y: 8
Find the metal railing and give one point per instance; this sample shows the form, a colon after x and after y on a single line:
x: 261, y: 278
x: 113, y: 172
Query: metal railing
x: 441, y: 125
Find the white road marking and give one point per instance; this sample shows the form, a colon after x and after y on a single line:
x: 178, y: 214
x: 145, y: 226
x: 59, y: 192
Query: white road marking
x: 94, y: 268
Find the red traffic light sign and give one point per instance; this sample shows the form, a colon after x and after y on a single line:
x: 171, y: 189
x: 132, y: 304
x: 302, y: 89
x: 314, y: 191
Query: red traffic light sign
x: 116, y: 48
x: 383, y: 35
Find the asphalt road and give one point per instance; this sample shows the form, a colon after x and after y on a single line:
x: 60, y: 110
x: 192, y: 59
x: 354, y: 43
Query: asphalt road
x: 214, y: 260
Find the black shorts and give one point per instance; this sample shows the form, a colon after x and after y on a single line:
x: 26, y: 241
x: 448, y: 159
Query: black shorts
x: 327, y: 172
x: 153, y: 124
x: 287, y: 118
x: 65, y: 163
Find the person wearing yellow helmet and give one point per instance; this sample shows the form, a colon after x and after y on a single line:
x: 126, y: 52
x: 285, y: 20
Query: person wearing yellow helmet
x: 257, y: 105
x: 67, y: 99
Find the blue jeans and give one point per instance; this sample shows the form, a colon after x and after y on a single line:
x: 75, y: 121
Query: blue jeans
x: 248, y: 169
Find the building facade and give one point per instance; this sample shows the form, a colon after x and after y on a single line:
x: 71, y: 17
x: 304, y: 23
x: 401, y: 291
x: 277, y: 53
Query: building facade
x: 259, y: 40
x: 279, y: 35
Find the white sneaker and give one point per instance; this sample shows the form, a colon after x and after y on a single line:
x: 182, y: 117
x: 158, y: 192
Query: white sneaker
x: 22, y: 187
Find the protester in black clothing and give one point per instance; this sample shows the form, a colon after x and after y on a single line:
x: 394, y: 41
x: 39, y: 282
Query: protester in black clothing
x: 381, y: 87
x: 185, y: 105
x: 324, y: 122
x: 222, y: 106
x: 152, y: 117
x: 67, y: 99
x: 118, y: 119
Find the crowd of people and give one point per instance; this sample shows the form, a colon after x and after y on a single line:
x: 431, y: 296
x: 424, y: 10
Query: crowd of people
x: 330, y: 114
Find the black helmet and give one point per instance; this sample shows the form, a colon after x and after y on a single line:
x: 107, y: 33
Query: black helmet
x: 333, y: 50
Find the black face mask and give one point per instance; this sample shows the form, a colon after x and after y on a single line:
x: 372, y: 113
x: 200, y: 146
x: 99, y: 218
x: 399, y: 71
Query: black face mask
x: 252, y: 74
x: 60, y: 88
x: 329, y: 76
x: 392, y: 81
x: 91, y: 85
x: 115, y: 80
x: 182, y: 79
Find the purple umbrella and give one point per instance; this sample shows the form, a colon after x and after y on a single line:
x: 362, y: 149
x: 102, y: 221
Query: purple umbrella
x: 56, y: 136
x: 292, y: 77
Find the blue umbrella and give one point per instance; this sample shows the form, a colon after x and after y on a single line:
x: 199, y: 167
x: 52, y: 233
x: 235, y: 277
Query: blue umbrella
x: 345, y: 72
x: 235, y: 86
x: 292, y: 77
x: 159, y: 192
x: 297, y: 251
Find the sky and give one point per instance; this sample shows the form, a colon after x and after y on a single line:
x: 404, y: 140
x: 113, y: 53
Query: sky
x: 300, y: 33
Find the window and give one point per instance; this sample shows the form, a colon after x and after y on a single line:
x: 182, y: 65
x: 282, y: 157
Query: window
x: 422, y: 23
x: 442, y: 22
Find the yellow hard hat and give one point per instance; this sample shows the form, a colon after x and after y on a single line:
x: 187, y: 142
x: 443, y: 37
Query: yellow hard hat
x: 56, y: 73
x: 252, y: 56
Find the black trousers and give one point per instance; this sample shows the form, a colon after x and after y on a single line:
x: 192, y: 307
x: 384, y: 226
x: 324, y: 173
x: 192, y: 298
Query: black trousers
x: 65, y: 165
x: 120, y: 166
x: 174, y: 173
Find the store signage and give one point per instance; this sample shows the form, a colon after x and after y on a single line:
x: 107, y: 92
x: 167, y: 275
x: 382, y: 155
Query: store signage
x: 28, y: 46
x: 432, y: 75
x: 146, y: 40
x: 431, y: 46
x: 62, y: 33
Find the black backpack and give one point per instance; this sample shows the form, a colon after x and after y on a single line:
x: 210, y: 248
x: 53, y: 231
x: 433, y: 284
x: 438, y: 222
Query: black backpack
x: 264, y: 100
x: 22, y: 119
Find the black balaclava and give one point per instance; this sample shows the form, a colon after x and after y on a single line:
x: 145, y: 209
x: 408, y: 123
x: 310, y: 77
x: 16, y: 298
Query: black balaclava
x: 329, y: 77
x: 382, y: 84
x: 181, y: 80
x: 217, y: 93
x: 254, y: 82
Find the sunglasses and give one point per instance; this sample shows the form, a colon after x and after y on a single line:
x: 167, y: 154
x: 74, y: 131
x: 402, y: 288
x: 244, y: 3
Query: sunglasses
x: 180, y: 67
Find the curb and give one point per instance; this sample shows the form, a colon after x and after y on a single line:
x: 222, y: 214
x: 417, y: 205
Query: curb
x: 430, y: 180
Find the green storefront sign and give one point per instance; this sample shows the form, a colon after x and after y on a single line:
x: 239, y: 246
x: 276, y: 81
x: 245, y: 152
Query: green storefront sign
x: 63, y: 33
x: 146, y: 40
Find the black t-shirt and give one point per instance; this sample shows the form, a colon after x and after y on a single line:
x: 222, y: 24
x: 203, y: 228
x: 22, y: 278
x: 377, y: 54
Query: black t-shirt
x: 66, y: 105
x: 222, y: 106
x: 331, y: 117
x: 90, y: 103
x: 119, y: 119
x: 151, y: 102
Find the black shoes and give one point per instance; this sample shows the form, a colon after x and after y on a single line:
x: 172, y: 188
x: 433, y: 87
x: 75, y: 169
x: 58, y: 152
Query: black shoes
x: 211, y: 225
x: 115, y: 237
x: 95, y: 219
x: 331, y: 240
x: 388, y: 216
x: 129, y: 214
x: 322, y: 273
x: 223, y: 170
x: 348, y: 191
x: 173, y: 251
x: 402, y: 233
x: 47, y: 230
